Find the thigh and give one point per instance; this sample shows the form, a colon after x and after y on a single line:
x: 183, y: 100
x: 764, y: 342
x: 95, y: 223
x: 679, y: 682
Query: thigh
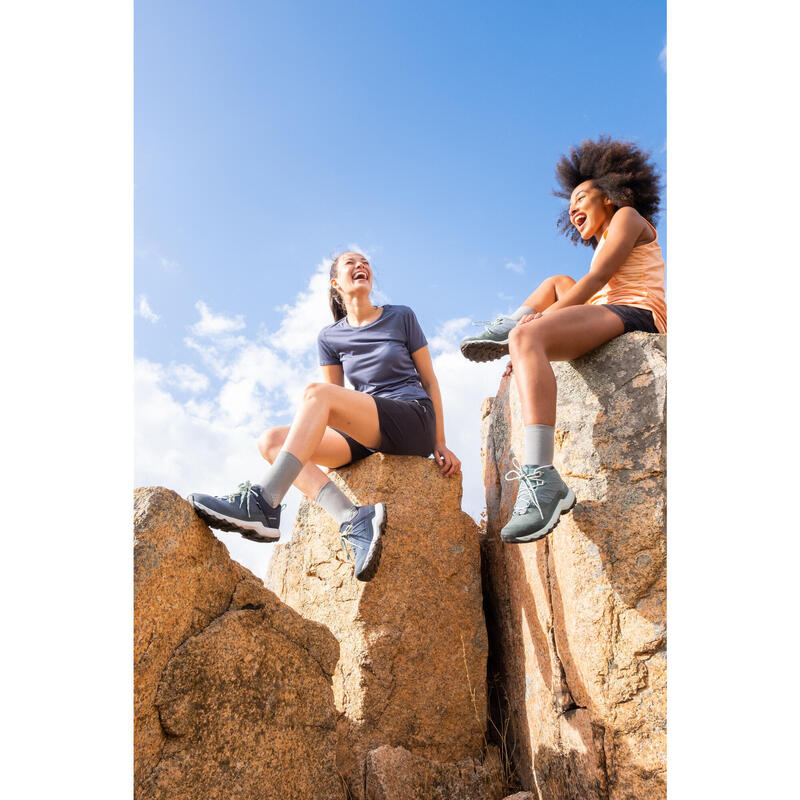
x: 354, y: 413
x: 332, y: 451
x: 576, y: 330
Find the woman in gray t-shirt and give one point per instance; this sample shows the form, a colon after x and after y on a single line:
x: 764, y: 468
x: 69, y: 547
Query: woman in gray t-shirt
x: 394, y: 407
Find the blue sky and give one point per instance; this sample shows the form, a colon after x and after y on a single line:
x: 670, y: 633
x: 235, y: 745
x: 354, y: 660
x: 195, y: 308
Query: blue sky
x: 268, y: 135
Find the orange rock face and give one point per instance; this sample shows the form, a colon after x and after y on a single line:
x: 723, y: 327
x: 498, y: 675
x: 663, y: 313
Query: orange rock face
x: 232, y: 689
x: 413, y: 646
x: 578, y: 619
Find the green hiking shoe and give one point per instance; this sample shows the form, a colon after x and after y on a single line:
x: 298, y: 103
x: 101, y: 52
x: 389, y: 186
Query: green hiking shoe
x: 491, y: 342
x: 541, y: 500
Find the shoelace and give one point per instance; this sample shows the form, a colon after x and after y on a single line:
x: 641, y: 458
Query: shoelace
x: 527, y: 487
x: 485, y: 323
x: 243, y: 493
x: 344, y: 538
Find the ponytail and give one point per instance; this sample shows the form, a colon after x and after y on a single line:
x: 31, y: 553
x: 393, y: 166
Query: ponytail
x: 337, y: 305
x: 335, y: 300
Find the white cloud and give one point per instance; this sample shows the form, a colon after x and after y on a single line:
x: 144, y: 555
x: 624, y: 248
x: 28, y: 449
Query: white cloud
x: 187, y: 378
x: 662, y: 58
x: 449, y: 335
x: 145, y: 311
x: 517, y: 266
x: 213, y: 325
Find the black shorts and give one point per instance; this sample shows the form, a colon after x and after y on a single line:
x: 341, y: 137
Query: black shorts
x: 635, y: 319
x: 408, y: 428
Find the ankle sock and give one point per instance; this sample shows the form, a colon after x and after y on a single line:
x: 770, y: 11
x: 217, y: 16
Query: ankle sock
x: 280, y: 476
x: 336, y: 503
x: 521, y: 312
x: 539, y: 444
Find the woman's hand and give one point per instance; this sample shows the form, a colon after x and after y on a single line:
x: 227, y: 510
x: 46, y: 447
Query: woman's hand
x: 508, y: 370
x: 448, y: 462
x: 529, y: 318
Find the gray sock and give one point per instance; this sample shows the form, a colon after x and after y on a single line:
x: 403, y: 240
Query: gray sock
x: 521, y: 312
x: 539, y: 443
x: 336, y: 503
x: 280, y: 476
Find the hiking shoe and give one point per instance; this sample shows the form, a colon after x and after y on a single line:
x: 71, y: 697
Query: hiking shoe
x: 245, y: 511
x: 491, y: 342
x: 541, y: 500
x: 363, y: 534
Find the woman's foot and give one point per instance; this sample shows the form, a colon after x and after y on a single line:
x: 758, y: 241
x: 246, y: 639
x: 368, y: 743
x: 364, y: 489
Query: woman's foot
x: 361, y: 539
x: 542, y: 498
x: 245, y: 511
x: 491, y: 342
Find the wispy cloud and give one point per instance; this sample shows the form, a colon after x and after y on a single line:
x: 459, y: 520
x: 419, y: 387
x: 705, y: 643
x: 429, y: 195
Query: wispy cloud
x: 144, y: 310
x: 212, y: 325
x: 662, y: 58
x: 517, y: 266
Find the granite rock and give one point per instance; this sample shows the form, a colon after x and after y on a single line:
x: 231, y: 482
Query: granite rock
x: 413, y: 645
x: 578, y: 620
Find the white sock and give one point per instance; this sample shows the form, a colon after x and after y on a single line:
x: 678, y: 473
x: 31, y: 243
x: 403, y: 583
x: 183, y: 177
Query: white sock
x: 336, y: 503
x: 521, y: 312
x: 539, y: 444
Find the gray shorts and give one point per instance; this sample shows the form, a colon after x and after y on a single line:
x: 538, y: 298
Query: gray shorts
x: 408, y: 428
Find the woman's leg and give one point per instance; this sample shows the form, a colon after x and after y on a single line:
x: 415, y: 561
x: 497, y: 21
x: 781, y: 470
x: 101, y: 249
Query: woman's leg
x: 323, y: 405
x: 548, y: 291
x: 332, y: 451
x: 561, y: 336
x: 493, y: 342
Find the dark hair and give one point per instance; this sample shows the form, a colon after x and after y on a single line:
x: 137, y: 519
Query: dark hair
x: 621, y: 170
x: 335, y: 300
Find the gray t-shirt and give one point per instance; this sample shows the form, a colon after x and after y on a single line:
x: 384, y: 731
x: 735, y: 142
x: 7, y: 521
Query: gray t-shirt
x: 377, y: 357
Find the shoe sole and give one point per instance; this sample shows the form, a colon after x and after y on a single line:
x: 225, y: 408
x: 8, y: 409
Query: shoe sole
x: 564, y: 507
x: 376, y: 548
x: 481, y: 351
x: 254, y: 531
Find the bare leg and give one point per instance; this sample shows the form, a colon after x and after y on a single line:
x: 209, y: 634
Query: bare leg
x: 560, y: 336
x: 548, y: 291
x: 332, y: 451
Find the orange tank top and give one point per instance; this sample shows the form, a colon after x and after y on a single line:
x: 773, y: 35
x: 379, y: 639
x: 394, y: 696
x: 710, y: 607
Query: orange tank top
x: 638, y: 282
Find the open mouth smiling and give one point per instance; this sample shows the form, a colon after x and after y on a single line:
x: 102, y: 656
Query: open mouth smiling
x: 579, y: 219
x: 360, y: 274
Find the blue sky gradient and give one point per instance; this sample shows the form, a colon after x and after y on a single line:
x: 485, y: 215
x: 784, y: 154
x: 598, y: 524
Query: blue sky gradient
x: 268, y: 135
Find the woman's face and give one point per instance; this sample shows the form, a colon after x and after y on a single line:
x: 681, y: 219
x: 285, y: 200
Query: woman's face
x: 590, y: 210
x: 353, y: 272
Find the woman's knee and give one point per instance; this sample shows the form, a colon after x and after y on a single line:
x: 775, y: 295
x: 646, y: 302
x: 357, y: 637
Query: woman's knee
x: 561, y: 284
x: 527, y: 336
x: 317, y: 391
x: 271, y: 441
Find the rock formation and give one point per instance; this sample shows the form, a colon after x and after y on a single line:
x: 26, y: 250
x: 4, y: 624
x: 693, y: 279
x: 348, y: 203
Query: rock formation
x: 233, y: 695
x: 578, y: 620
x: 413, y: 645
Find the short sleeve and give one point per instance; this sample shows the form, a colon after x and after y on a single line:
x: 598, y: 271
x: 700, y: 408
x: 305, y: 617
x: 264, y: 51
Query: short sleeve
x: 327, y: 355
x: 415, y: 338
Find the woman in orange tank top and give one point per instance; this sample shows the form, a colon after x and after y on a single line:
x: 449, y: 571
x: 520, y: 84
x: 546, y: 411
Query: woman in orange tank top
x: 613, y: 194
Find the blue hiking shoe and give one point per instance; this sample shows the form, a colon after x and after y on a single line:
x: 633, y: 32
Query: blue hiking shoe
x: 245, y: 511
x: 363, y: 534
x: 491, y: 343
x: 541, y: 500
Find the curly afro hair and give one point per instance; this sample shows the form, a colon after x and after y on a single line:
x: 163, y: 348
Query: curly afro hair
x: 619, y: 169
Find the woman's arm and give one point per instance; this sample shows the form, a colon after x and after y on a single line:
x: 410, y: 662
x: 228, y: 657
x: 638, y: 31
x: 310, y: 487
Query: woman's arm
x: 447, y: 461
x: 624, y: 230
x: 333, y: 373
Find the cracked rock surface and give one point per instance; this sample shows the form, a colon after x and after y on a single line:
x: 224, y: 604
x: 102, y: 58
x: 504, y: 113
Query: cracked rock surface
x: 232, y: 689
x: 413, y: 644
x: 579, y: 633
